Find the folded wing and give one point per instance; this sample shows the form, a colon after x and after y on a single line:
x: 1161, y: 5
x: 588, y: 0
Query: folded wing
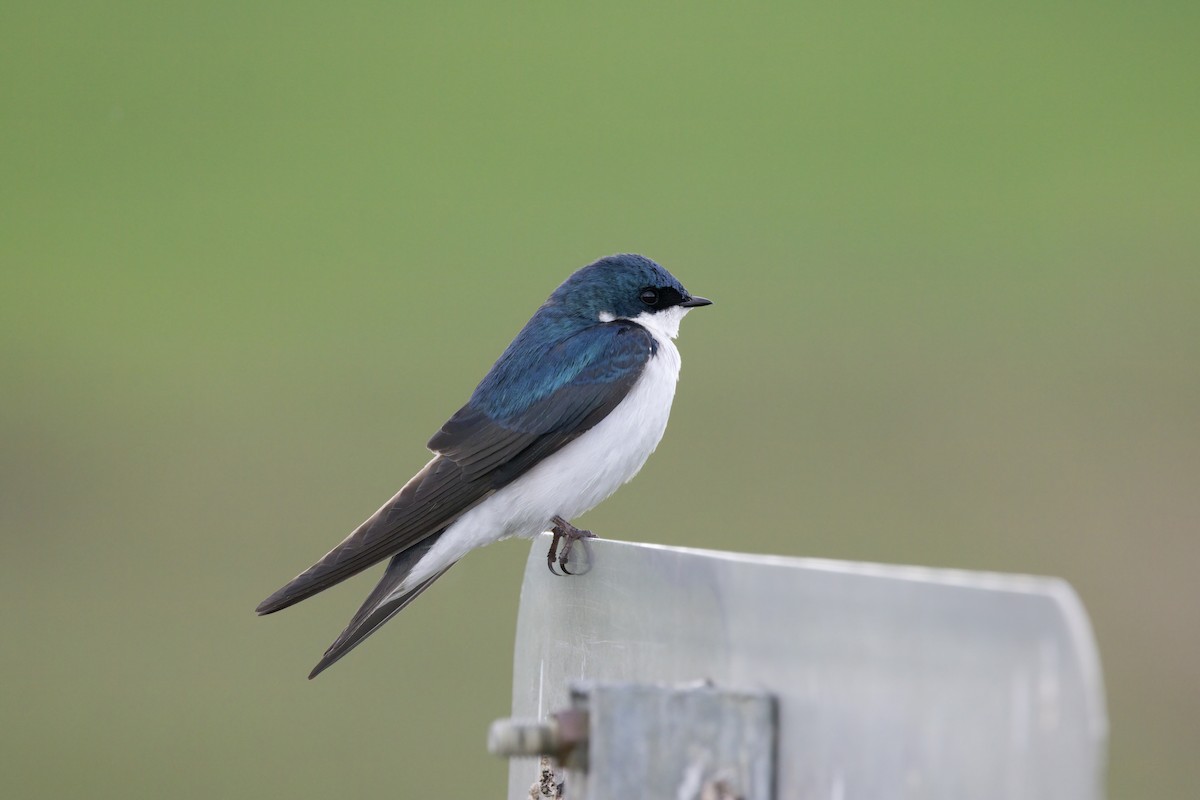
x: 479, y: 450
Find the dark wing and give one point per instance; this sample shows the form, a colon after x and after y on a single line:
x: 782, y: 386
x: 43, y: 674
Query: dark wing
x: 478, y: 453
x: 604, y: 362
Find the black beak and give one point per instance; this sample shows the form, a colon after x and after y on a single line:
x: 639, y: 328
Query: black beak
x: 696, y: 302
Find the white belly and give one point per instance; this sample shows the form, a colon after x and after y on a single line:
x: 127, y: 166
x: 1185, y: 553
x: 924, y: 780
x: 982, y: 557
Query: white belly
x: 573, y: 480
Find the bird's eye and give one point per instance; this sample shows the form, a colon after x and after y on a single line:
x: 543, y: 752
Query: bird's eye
x: 649, y: 296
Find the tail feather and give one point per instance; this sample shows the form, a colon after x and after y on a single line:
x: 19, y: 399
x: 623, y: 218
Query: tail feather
x: 380, y: 605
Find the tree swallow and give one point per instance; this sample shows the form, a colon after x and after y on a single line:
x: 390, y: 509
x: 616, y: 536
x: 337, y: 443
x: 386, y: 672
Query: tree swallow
x: 570, y: 411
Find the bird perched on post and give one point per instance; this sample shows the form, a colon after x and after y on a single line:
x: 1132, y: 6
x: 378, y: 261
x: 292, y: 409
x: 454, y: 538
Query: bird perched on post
x: 569, y: 412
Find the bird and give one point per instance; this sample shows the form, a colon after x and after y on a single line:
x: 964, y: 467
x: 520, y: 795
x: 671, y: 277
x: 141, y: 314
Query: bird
x: 569, y: 412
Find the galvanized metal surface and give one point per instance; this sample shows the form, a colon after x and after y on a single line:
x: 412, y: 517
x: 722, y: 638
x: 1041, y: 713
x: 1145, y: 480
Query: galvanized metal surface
x: 893, y: 682
x: 720, y: 743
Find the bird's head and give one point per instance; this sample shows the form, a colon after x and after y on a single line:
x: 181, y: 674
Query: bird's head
x: 626, y: 286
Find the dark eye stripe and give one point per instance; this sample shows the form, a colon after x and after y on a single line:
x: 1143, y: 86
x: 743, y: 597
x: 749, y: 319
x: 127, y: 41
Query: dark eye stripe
x: 660, y: 297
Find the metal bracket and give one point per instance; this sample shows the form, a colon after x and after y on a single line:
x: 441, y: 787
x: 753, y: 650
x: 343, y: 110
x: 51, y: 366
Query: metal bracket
x: 618, y: 741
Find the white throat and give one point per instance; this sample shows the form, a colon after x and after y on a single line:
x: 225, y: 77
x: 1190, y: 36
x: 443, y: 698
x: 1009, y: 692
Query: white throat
x: 663, y: 325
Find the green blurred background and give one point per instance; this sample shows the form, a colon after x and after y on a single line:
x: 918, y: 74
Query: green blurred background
x: 253, y: 255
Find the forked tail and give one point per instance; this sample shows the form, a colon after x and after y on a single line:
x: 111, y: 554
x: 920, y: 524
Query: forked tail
x: 380, y: 606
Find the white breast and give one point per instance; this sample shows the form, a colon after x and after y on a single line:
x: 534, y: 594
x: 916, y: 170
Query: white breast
x: 586, y: 471
x: 583, y: 473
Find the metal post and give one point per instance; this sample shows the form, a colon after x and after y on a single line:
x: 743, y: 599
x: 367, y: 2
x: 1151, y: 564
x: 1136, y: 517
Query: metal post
x: 889, y: 682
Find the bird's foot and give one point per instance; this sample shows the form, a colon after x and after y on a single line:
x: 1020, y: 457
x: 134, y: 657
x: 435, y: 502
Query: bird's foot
x: 565, y: 530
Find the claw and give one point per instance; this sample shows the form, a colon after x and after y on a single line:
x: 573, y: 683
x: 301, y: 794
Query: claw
x: 565, y: 530
x: 553, y: 552
x: 564, y: 558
